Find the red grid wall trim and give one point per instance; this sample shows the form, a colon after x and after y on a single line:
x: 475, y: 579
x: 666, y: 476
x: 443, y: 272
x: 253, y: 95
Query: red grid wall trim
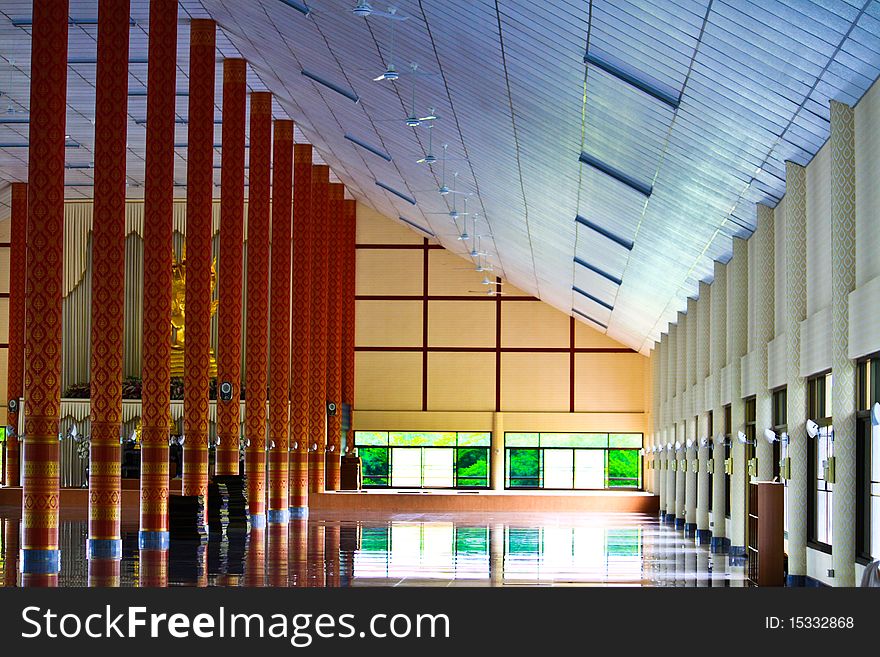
x: 15, y: 353
x: 279, y: 326
x: 318, y: 344
x: 300, y: 391
x: 257, y: 298
x: 108, y: 269
x: 229, y: 267
x: 158, y: 228
x: 48, y: 106
x: 200, y: 188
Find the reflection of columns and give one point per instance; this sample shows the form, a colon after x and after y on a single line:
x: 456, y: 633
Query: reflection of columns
x: 15, y: 352
x: 704, y: 430
x: 334, y: 244
x: 300, y: 356
x: 257, y: 304
x: 299, y: 551
x: 230, y: 266
x: 199, y: 193
x: 795, y: 247
x: 317, y: 576
x: 41, y: 558
x: 496, y: 554
x: 276, y: 560
x: 318, y: 344
x: 158, y: 217
x: 496, y: 458
x: 279, y: 325
x: 255, y: 563
x: 764, y: 330
x: 348, y: 265
x: 11, y: 529
x: 843, y: 398
x: 104, y: 573
x: 153, y: 568
x: 108, y: 288
x: 331, y: 554
x: 717, y: 357
x: 737, y: 308
x: 690, y: 419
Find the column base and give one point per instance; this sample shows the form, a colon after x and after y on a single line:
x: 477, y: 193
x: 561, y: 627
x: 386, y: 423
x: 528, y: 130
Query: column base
x: 719, y: 545
x: 679, y: 523
x: 258, y: 521
x: 668, y: 518
x: 278, y: 516
x: 690, y: 529
x: 736, y: 555
x: 104, y: 548
x: 703, y: 536
x: 40, y: 562
x: 153, y: 540
x: 299, y: 512
x: 796, y: 580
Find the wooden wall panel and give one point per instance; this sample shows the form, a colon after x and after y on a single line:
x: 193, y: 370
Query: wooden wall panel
x: 448, y: 274
x: 388, y: 324
x: 388, y: 380
x: 534, y: 382
x: 461, y: 381
x: 4, y: 320
x: 4, y: 270
x: 533, y: 324
x: 461, y: 324
x: 389, y: 272
x: 610, y: 382
x: 373, y: 228
x: 586, y: 337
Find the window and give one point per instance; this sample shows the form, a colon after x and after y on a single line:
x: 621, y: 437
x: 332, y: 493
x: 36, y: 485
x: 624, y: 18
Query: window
x: 727, y: 445
x: 573, y: 460
x: 780, y: 451
x: 867, y: 462
x: 820, y: 449
x: 426, y: 459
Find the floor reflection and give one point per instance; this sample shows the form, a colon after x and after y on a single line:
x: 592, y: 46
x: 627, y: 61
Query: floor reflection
x: 420, y: 550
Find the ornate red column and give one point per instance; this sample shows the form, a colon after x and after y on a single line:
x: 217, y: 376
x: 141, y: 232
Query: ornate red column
x: 334, y: 243
x: 299, y: 552
x: 348, y: 265
x: 279, y: 326
x: 318, y: 342
x: 158, y: 226
x: 11, y: 533
x: 332, y: 539
x: 300, y: 391
x: 15, y: 352
x: 277, y: 559
x: 199, y: 200
x: 317, y: 567
x: 230, y: 266
x: 40, y: 556
x: 257, y: 304
x: 108, y: 292
x: 255, y: 562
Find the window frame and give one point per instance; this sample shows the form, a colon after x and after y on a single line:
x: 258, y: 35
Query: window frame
x: 817, y: 399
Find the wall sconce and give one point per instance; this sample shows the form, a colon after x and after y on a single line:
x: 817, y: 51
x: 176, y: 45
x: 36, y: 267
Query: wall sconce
x: 728, y: 466
x: 710, y: 465
x: 785, y: 468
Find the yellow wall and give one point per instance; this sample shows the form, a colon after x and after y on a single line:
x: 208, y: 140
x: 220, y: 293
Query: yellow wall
x: 433, y: 362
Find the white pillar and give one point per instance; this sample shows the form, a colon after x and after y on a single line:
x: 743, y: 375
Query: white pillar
x: 843, y: 398
x: 670, y: 424
x: 717, y: 359
x: 737, y: 327
x: 496, y: 473
x: 703, y: 405
x: 796, y: 389
x: 689, y: 412
x: 764, y: 316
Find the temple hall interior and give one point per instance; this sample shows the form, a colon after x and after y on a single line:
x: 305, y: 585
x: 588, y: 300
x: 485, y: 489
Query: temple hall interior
x: 337, y: 293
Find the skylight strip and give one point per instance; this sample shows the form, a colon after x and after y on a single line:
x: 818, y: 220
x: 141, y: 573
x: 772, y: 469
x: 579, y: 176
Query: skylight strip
x: 387, y: 188
x: 25, y: 144
x: 623, y: 76
x: 625, y: 243
x: 368, y: 147
x: 143, y: 92
x: 587, y: 317
x: 27, y: 22
x: 417, y: 227
x: 589, y: 296
x: 179, y: 121
x: 94, y: 60
x: 348, y: 93
x: 601, y: 272
x: 6, y: 121
x: 619, y: 176
x: 299, y: 6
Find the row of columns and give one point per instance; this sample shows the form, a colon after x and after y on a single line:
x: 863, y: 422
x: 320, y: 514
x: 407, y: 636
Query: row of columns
x: 300, y: 296
x: 713, y: 335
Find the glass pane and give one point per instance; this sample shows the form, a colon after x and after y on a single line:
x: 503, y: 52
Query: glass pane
x: 574, y: 440
x: 374, y: 465
x: 370, y: 437
x: 623, y: 468
x: 422, y: 439
x: 875, y: 527
x: 481, y: 439
x: 625, y: 440
x: 406, y: 467
x: 521, y: 440
x: 472, y: 467
x: 437, y: 471
x: 523, y: 468
x: 589, y: 468
x: 558, y: 468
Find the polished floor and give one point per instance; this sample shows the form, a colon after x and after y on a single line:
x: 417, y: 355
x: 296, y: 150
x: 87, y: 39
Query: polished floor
x: 578, y: 549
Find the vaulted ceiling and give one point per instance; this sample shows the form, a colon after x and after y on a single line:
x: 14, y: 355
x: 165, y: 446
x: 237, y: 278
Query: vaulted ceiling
x: 611, y: 149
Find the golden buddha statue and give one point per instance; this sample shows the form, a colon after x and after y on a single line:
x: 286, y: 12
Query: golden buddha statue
x: 178, y: 312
